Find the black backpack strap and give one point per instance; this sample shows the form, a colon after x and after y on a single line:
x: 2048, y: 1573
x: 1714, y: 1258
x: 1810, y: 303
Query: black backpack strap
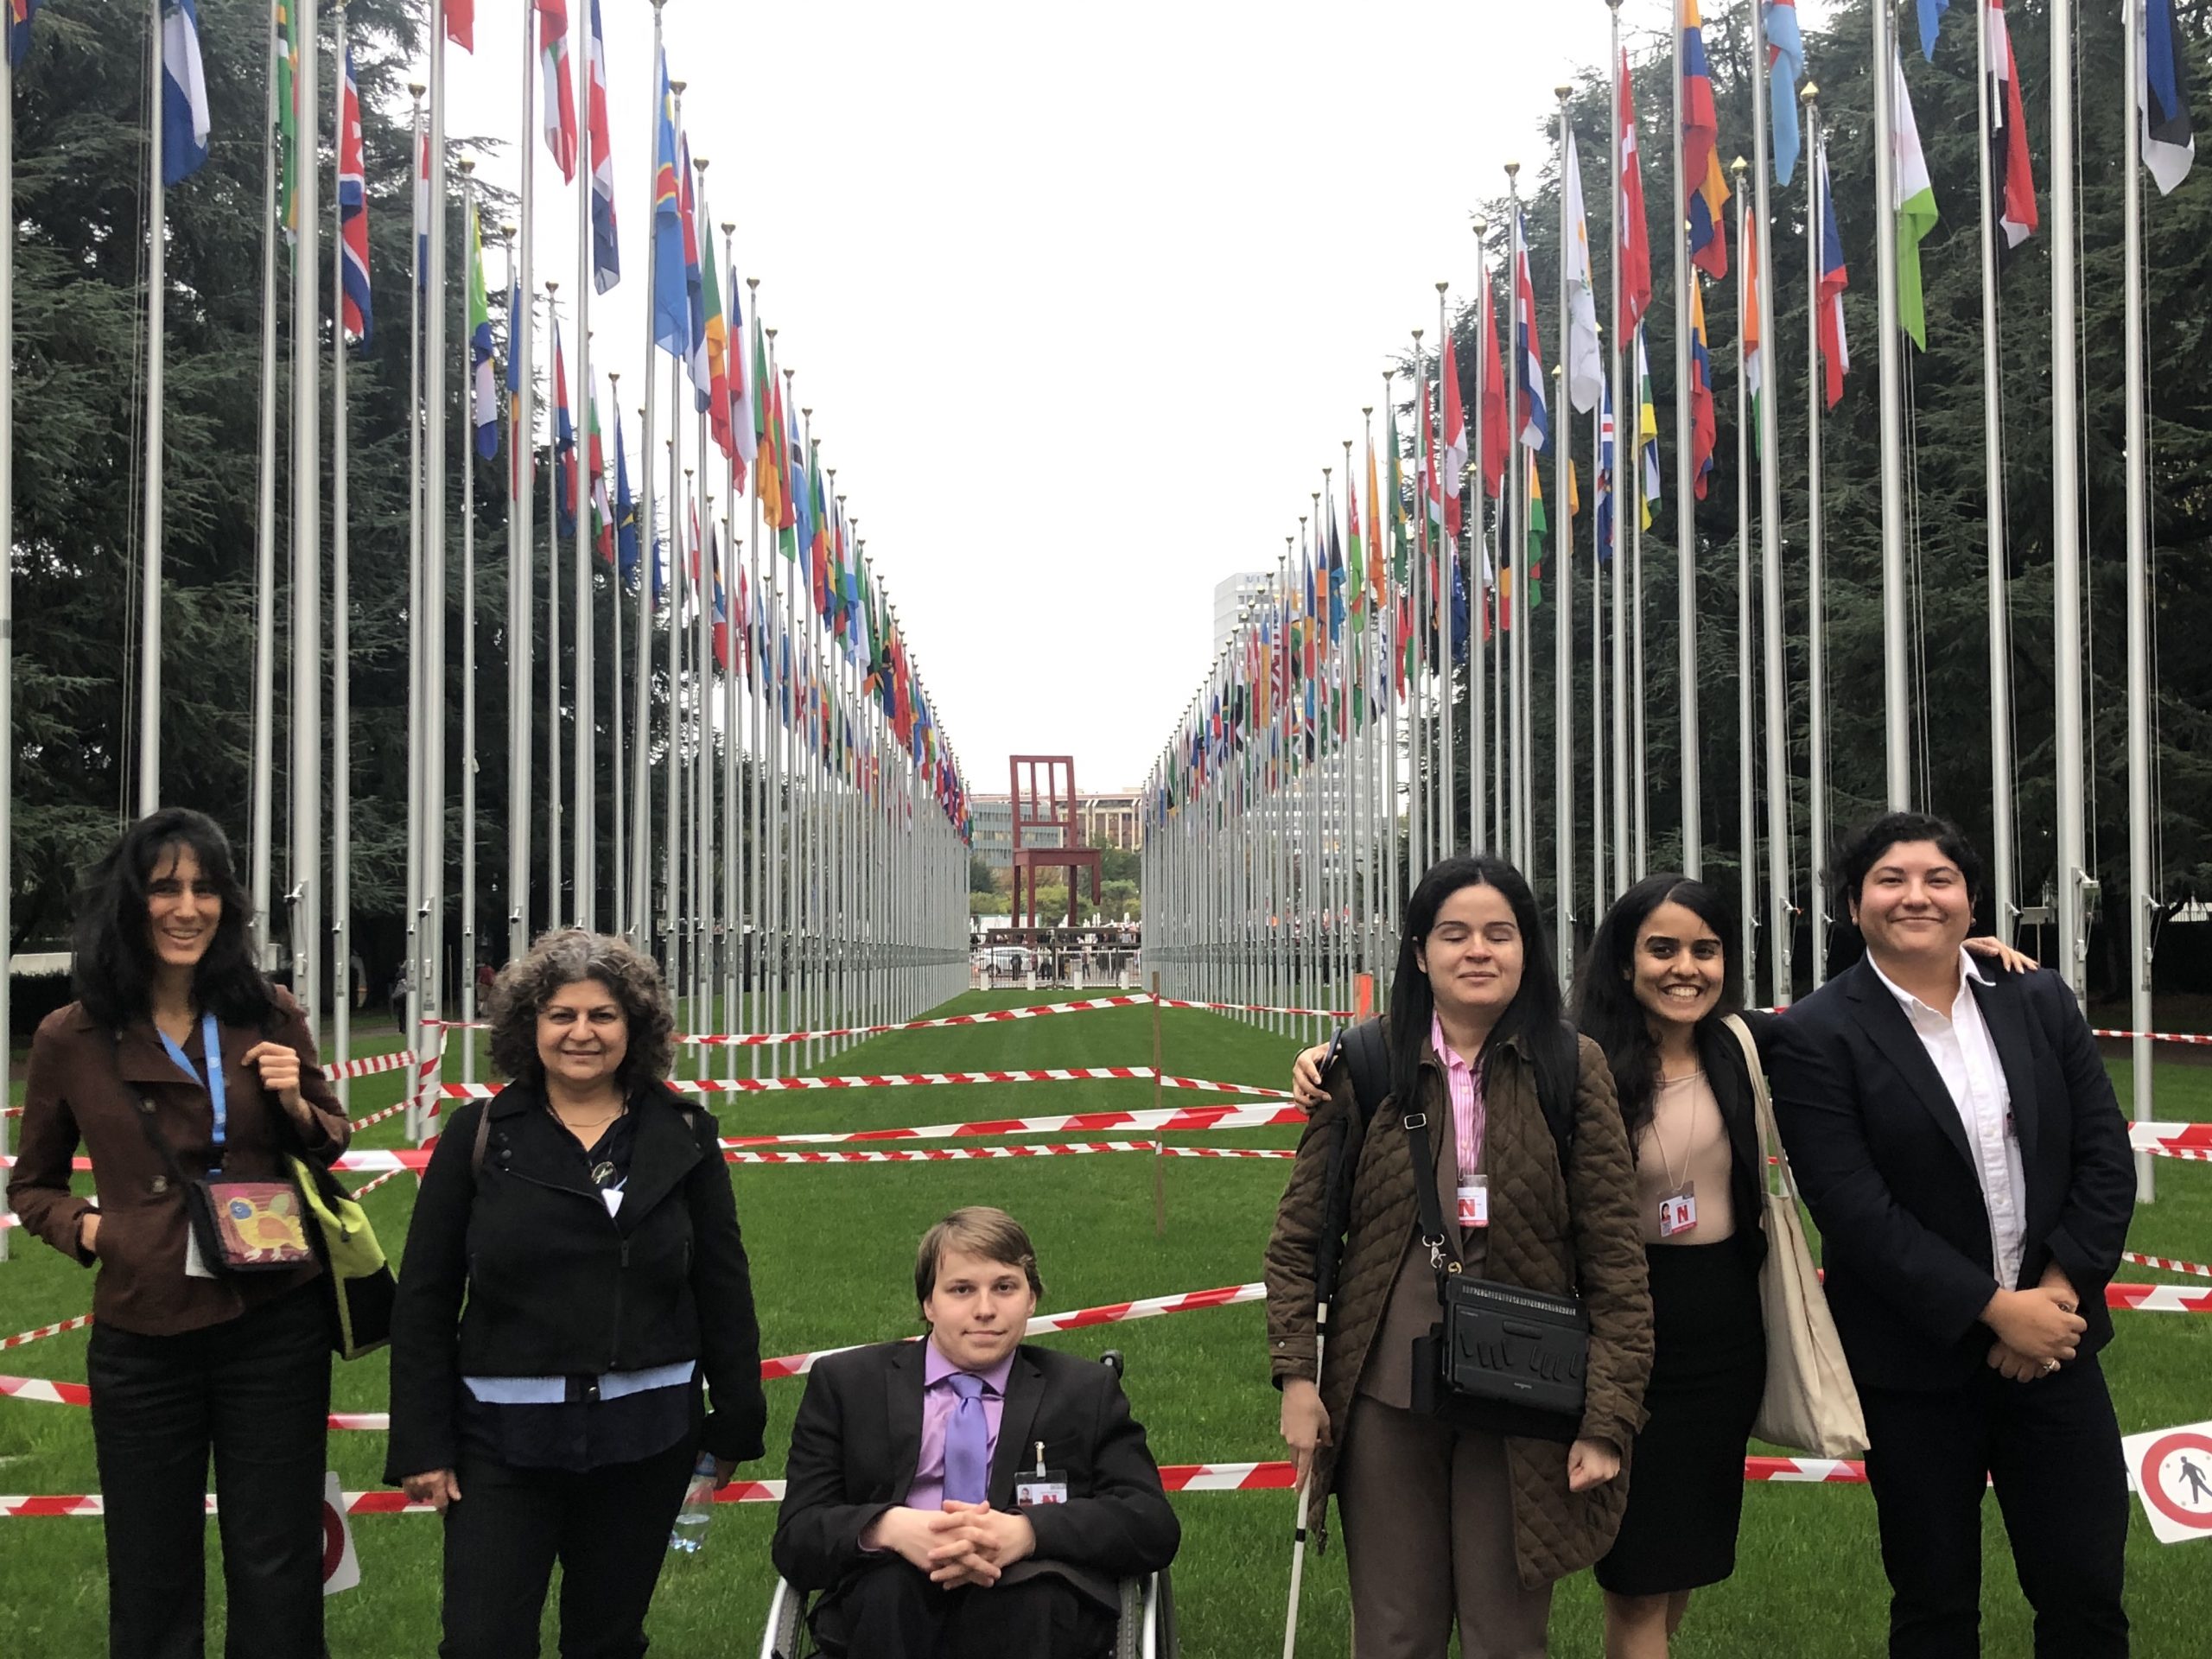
x: 476, y: 1150
x: 1365, y: 1051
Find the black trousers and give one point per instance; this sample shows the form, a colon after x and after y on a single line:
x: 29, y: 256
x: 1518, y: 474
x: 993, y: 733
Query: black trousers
x: 2051, y: 1448
x: 608, y: 1528
x: 255, y: 1392
x: 891, y: 1610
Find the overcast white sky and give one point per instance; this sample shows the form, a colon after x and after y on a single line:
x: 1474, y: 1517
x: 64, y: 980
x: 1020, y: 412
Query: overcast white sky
x: 1083, y: 298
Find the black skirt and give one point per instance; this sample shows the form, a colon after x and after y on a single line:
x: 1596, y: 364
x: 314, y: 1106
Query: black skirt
x: 1685, y: 1480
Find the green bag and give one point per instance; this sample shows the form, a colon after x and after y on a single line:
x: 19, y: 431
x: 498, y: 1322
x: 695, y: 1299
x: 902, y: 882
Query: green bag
x: 359, y: 1281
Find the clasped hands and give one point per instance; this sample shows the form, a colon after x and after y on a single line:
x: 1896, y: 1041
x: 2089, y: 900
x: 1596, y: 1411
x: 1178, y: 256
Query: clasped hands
x: 962, y: 1543
x: 2038, y: 1331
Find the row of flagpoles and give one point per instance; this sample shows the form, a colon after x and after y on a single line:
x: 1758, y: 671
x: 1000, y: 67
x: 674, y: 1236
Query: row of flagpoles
x: 806, y: 861
x: 1323, y: 744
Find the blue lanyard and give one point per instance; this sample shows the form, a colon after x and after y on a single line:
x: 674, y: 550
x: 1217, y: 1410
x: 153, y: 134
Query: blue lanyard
x: 211, y: 1050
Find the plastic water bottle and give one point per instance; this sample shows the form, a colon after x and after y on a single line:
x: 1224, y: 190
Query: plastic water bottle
x: 688, y: 1536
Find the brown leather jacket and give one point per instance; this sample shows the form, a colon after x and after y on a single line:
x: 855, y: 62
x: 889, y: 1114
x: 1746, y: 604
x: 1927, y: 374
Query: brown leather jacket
x: 1548, y: 1232
x: 86, y: 1085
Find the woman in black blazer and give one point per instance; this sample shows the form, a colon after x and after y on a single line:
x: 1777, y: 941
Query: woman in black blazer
x: 585, y: 1216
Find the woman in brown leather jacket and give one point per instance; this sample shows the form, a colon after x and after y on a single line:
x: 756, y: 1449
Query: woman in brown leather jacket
x: 1442, y: 1523
x: 172, y: 1017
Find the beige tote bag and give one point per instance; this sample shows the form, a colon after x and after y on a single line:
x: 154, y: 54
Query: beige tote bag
x: 1810, y: 1401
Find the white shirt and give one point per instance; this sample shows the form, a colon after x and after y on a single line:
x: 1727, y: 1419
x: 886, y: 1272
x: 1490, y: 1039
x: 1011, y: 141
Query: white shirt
x: 1965, y: 1058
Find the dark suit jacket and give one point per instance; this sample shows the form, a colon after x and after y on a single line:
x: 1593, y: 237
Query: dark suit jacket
x: 858, y: 1437
x: 1884, y: 1161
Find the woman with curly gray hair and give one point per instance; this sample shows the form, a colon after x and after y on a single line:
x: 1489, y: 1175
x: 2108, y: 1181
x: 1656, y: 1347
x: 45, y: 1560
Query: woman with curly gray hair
x: 574, y: 1274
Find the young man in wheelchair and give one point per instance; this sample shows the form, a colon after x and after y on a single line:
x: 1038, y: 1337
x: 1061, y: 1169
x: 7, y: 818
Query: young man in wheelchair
x: 969, y: 1495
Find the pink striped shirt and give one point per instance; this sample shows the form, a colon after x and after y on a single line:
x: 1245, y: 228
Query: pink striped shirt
x: 1465, y: 1085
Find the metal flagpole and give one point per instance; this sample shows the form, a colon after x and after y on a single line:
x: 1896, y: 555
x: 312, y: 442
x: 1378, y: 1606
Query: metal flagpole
x: 522, y: 603
x: 1447, y: 561
x: 639, y: 899
x: 341, y: 708
x: 583, y: 859
x: 307, y: 543
x: 150, y: 579
x: 411, y: 1033
x: 1747, y: 908
x: 619, y: 873
x: 1563, y: 607
x: 260, y: 784
x: 2142, y: 898
x: 1628, y: 468
x: 431, y: 938
x: 671, y: 948
x: 553, y: 910
x: 466, y: 450
x: 1781, y: 876
x: 1685, y: 501
x: 2004, y: 883
x: 1598, y: 659
x: 1478, y: 597
x: 8, y: 566
x: 1897, y: 727
x: 2066, y: 511
x: 757, y: 675
x: 1640, y: 792
x: 1421, y: 854
x: 1817, y: 679
x: 1516, y: 537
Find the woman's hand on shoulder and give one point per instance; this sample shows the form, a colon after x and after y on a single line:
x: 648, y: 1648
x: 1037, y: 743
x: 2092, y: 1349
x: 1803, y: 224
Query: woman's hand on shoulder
x: 1590, y: 1463
x: 2013, y: 962
x: 1305, y: 1084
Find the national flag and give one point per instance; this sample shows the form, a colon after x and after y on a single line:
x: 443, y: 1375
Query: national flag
x: 1914, y: 204
x: 1539, y: 528
x: 1394, y: 502
x: 2011, y: 179
x: 1432, y: 499
x: 1646, y: 433
x: 20, y: 13
x: 626, y: 513
x: 1336, y: 581
x: 1785, y: 59
x: 355, y: 310
x: 461, y: 25
x: 1605, y: 465
x: 184, y: 94
x: 1754, y: 364
x: 286, y: 69
x: 484, y: 400
x: 719, y: 623
x: 1585, y: 364
x: 694, y: 288
x: 421, y: 212
x: 718, y: 421
x: 1378, y: 566
x: 1701, y: 176
x: 1497, y: 443
x: 559, y: 90
x: 1704, y: 434
x: 742, y: 413
x: 1931, y: 19
x: 1455, y: 434
x: 1355, y: 559
x: 602, y: 514
x: 1527, y: 348
x: 565, y: 445
x: 1634, y: 236
x: 606, y: 245
x: 521, y: 463
x: 672, y: 313
x: 767, y: 482
x: 2168, y: 144
x: 1835, y: 349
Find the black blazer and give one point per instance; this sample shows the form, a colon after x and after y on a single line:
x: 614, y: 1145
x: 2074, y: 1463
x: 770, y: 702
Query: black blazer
x: 1884, y: 1161
x: 556, y: 1286
x: 1722, y: 1056
x: 858, y: 1437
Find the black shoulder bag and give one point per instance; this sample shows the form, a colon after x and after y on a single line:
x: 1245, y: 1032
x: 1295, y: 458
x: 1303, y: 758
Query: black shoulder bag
x: 1503, y: 1359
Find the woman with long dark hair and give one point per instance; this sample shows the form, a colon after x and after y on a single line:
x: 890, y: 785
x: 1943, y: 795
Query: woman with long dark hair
x: 1446, y: 1522
x: 179, y: 1061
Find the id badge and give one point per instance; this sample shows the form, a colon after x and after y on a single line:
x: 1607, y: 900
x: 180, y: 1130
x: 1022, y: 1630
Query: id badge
x: 1678, y: 1211
x: 1474, y: 1201
x: 1036, y: 1490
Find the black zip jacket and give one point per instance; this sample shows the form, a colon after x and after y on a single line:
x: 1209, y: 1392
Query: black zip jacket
x: 556, y: 1286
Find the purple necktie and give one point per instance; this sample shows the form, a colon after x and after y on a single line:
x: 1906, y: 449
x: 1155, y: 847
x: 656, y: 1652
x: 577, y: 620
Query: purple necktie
x: 967, y: 1442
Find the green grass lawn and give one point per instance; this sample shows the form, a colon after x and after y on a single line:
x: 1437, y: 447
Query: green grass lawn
x: 832, y: 1251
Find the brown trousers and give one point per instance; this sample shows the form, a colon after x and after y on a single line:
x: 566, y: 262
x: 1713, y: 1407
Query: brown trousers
x: 1427, y: 1517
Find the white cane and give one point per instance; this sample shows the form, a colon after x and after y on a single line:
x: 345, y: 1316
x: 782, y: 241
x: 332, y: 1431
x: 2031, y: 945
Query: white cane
x: 1305, y: 1493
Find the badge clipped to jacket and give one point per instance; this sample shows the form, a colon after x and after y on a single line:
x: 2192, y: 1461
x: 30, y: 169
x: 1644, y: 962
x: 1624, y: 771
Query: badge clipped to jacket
x: 1041, y: 1487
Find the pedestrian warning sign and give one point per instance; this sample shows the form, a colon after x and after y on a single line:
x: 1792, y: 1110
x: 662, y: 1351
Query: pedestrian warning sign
x: 2171, y: 1469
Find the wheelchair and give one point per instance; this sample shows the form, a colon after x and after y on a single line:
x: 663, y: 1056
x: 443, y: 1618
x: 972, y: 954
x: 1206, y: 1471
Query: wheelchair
x: 1146, y: 1630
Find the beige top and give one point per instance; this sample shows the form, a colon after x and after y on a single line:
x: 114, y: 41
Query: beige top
x: 1686, y: 1140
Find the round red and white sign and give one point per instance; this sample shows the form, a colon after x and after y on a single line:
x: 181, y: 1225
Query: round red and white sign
x: 2175, y: 1474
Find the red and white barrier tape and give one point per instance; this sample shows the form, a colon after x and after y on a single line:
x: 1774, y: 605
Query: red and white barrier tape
x: 2166, y: 1264
x: 46, y: 1331
x: 1259, y: 1007
x: 921, y: 1080
x: 2198, y: 1038
x: 370, y: 1065
x: 1163, y: 1120
x: 982, y: 1017
x: 360, y: 1124
x: 2158, y: 1299
x: 2166, y: 1137
x: 370, y: 1185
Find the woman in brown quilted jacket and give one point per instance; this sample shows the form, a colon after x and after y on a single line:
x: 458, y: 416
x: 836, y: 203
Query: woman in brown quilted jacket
x: 1446, y: 1523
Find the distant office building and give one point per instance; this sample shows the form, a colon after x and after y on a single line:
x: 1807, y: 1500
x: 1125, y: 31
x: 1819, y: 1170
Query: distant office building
x: 1231, y: 595
x: 1111, y: 820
